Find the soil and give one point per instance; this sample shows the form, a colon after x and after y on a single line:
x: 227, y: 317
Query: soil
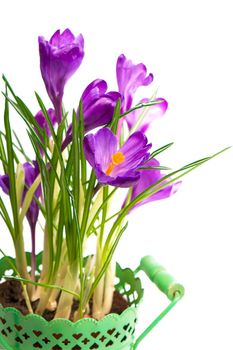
x: 11, y: 296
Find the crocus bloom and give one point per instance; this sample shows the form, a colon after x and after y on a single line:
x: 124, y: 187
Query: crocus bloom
x: 60, y: 57
x: 149, y: 177
x: 31, y: 171
x: 130, y: 77
x: 150, y: 114
x: 98, y: 107
x: 112, y: 166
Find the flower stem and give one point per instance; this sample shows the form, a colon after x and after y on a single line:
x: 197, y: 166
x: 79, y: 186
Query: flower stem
x: 41, y: 292
x: 33, y: 254
x: 21, y: 261
x: 66, y: 300
x: 99, y: 291
x: 108, y: 289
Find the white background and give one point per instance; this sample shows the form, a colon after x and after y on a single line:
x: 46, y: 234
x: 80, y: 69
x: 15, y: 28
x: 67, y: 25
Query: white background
x: 188, y: 47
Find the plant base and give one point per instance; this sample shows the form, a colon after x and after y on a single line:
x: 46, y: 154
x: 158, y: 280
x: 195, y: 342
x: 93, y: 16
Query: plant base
x: 113, y: 332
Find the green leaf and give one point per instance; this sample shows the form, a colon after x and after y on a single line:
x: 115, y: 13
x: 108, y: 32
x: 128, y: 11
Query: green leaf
x: 29, y: 197
x: 81, y: 153
x: 116, y: 117
x: 88, y: 199
x: 160, y: 150
x: 157, y: 186
x: 45, y: 285
x: 20, y: 148
x: 77, y: 244
x: 11, y: 169
x: 20, y: 177
x: 91, y: 225
x: 160, y: 167
x: 3, y: 155
x: 4, y: 214
x: 107, y: 261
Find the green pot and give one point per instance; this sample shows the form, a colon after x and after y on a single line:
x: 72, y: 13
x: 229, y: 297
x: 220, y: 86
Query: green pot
x: 113, y: 332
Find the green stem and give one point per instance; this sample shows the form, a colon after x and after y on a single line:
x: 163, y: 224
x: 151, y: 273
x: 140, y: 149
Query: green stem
x: 21, y: 261
x: 104, y: 215
x: 42, y: 293
x: 99, y: 290
x: 89, y: 195
x: 66, y: 300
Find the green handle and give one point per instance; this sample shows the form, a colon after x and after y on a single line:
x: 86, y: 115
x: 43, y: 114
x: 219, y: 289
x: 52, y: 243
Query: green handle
x: 163, y: 280
x: 166, y: 283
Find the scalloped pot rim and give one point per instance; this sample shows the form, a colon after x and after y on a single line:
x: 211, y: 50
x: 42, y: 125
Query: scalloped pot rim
x: 130, y: 310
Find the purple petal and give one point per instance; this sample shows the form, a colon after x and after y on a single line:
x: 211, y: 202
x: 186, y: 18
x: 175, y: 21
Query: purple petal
x: 126, y: 180
x: 98, y: 106
x: 100, y: 147
x: 135, y: 151
x: 130, y: 77
x: 41, y: 120
x: 31, y: 172
x: 59, y: 40
x: 152, y: 113
x: 5, y: 183
x: 148, y: 178
x: 60, y: 57
x: 93, y: 92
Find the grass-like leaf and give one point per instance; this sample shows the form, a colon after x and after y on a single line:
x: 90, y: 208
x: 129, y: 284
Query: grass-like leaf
x: 160, y: 150
x: 11, y: 168
x: 45, y: 285
x: 107, y: 261
x: 160, y: 167
x: 116, y: 116
x: 142, y: 105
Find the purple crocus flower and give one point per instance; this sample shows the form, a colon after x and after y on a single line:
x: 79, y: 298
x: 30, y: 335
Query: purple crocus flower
x: 60, y: 57
x: 31, y: 171
x: 130, y: 77
x: 152, y: 113
x: 149, y: 177
x: 112, y: 166
x: 98, y: 107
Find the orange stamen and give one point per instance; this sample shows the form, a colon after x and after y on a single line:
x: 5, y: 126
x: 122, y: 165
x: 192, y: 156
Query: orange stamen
x: 110, y: 169
x: 117, y: 158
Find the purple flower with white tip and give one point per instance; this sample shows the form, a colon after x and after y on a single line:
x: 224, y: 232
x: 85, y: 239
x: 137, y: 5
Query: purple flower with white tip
x: 150, y: 114
x: 116, y: 167
x: 149, y: 177
x: 130, y: 77
x: 98, y: 107
x: 60, y: 57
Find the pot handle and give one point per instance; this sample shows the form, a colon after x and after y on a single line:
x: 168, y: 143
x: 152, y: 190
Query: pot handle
x: 166, y: 283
